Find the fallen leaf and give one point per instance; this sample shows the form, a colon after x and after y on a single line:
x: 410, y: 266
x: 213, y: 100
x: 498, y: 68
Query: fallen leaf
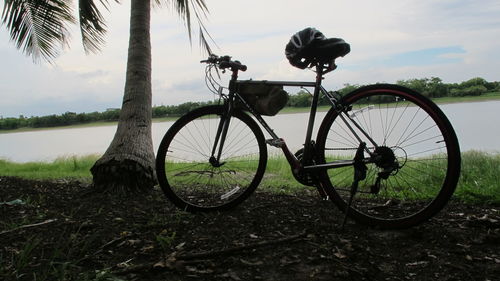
x: 339, y: 254
x: 160, y: 264
x: 147, y: 248
x: 347, y: 244
x: 124, y: 264
x: 180, y: 246
x: 251, y: 263
x: 417, y: 263
x: 134, y: 241
x: 13, y: 202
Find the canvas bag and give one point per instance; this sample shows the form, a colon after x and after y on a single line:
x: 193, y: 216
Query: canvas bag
x: 264, y: 98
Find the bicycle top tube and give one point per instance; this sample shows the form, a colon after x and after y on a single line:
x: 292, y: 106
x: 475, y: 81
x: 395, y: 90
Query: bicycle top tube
x: 279, y: 83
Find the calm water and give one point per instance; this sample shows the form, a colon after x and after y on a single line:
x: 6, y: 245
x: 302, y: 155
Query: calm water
x: 476, y: 125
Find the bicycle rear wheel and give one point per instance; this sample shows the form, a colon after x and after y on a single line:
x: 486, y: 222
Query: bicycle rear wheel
x: 412, y: 167
x: 194, y: 182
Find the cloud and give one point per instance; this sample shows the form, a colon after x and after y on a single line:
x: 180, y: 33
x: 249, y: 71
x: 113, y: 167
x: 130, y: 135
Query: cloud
x: 431, y: 56
x: 390, y: 40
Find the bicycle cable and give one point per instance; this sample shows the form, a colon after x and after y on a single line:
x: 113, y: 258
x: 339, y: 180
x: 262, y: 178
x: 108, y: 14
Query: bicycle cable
x: 211, y: 82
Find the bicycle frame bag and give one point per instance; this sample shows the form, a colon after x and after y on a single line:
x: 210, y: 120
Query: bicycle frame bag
x: 264, y: 98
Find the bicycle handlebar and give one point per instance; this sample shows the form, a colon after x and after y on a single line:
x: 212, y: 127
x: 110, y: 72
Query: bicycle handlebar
x: 225, y: 62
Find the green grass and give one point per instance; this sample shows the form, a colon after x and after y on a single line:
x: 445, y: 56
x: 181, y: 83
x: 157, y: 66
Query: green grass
x: 64, y: 167
x: 480, y: 178
x: 479, y: 181
x: 278, y: 177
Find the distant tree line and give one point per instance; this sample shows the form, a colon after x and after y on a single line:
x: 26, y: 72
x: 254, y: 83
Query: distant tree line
x: 430, y: 87
x: 72, y: 118
x: 435, y: 88
x: 65, y: 119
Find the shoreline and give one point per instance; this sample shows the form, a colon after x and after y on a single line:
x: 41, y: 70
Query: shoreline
x: 286, y: 110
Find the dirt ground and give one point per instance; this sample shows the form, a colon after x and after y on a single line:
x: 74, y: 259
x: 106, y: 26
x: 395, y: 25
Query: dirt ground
x: 64, y: 231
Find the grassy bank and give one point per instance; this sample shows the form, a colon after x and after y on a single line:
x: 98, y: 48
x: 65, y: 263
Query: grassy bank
x: 286, y: 110
x: 479, y: 181
x: 61, y: 168
x: 480, y: 177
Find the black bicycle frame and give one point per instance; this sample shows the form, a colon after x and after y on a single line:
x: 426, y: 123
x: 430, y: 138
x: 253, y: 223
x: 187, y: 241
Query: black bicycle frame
x: 276, y: 140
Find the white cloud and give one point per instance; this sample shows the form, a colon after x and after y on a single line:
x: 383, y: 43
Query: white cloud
x: 256, y: 32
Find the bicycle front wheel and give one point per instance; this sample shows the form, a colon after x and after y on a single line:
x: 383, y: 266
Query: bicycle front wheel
x: 187, y: 172
x: 412, y: 156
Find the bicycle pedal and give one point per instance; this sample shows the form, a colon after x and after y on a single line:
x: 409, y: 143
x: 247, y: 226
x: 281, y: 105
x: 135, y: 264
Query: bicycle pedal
x: 275, y: 142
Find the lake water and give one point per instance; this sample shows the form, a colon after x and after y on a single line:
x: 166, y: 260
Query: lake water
x: 476, y: 125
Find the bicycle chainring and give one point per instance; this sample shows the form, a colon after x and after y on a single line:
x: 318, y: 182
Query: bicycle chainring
x: 304, y: 177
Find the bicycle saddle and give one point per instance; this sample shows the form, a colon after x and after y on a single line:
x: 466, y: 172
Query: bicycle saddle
x: 309, y: 47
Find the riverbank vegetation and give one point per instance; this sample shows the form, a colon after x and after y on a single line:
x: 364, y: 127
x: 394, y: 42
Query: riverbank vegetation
x: 475, y: 89
x: 478, y: 181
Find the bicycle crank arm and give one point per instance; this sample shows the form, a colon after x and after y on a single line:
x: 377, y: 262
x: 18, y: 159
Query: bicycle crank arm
x: 290, y: 157
x: 294, y: 162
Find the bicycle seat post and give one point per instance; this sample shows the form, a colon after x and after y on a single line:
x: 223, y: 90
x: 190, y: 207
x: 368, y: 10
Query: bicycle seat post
x: 308, y: 149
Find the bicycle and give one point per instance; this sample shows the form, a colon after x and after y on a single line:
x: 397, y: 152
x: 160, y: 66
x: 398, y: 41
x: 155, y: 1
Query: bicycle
x: 386, y: 155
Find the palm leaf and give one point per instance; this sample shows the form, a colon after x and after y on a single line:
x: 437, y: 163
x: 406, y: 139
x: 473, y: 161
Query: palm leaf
x: 184, y: 8
x: 38, y: 27
x: 92, y: 25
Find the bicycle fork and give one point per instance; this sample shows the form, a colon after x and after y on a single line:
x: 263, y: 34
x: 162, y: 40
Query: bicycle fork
x: 220, y: 139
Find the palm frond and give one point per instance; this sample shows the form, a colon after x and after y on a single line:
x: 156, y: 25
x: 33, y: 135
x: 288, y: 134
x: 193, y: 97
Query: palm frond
x: 204, y: 42
x: 92, y: 25
x: 38, y: 27
x: 185, y: 8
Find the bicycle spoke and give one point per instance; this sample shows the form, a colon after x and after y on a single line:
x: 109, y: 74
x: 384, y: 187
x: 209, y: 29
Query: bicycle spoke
x: 189, y: 174
x: 409, y: 165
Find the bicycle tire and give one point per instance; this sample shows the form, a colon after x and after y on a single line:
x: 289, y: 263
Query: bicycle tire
x: 182, y: 164
x: 424, y: 147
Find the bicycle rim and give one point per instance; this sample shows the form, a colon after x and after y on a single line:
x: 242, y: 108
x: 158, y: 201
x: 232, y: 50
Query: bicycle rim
x: 418, y: 161
x: 185, y: 172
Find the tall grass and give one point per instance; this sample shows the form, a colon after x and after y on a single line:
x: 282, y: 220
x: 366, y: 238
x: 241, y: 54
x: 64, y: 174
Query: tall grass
x: 480, y: 178
x: 278, y: 177
x: 479, y: 181
x: 65, y: 167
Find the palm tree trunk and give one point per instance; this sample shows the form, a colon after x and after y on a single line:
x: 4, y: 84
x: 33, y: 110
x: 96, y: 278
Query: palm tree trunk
x: 128, y: 163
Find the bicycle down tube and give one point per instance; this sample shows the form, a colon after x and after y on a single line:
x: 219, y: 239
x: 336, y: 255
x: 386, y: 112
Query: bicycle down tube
x: 280, y: 143
x: 276, y: 141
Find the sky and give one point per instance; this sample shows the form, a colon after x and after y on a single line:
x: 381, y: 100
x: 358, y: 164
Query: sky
x: 390, y: 40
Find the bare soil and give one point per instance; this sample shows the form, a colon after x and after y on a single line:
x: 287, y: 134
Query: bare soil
x: 62, y: 230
